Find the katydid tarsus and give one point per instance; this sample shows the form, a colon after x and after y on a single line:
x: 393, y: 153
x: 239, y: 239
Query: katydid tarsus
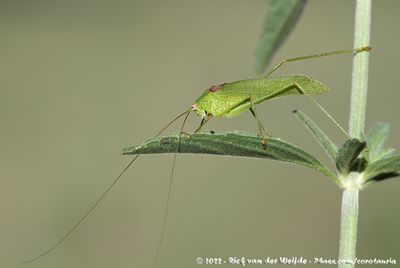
x: 229, y: 100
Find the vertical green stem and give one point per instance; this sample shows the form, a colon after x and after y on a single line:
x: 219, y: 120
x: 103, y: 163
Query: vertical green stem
x: 359, y: 85
x: 348, y: 224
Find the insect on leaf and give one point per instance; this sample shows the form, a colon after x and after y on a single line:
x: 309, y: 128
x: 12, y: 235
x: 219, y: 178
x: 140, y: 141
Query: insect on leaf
x: 231, y: 144
x: 260, y: 90
x: 281, y: 17
x: 326, y: 143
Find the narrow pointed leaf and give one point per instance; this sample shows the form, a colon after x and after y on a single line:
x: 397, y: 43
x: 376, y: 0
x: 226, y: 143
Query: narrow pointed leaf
x: 281, y: 18
x: 379, y: 168
x: 326, y: 143
x: 348, y: 154
x: 376, y: 139
x: 231, y: 144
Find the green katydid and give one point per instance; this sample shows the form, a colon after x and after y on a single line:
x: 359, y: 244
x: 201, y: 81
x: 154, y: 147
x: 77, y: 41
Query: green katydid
x: 229, y: 100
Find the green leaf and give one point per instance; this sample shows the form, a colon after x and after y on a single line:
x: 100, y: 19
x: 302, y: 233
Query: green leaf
x: 231, y: 144
x: 281, y: 17
x: 326, y: 143
x: 385, y: 153
x: 382, y: 169
x: 348, y: 154
x: 376, y: 139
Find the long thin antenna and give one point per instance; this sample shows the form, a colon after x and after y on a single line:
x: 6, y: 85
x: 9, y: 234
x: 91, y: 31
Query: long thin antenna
x: 169, y: 193
x: 100, y: 198
x: 170, y: 123
x: 84, y: 216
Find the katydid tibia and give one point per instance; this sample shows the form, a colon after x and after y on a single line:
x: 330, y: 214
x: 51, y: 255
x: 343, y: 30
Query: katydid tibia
x: 229, y: 100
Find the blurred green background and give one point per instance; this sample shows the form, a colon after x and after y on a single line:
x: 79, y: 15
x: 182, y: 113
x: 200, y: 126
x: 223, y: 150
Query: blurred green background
x: 80, y: 80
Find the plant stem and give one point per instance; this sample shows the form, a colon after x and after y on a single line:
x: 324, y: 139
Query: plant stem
x: 359, y: 87
x: 349, y: 218
x: 359, y: 84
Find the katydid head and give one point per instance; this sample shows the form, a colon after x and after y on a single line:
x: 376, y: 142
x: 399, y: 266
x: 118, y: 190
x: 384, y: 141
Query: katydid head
x: 203, y: 104
x: 199, y: 105
x: 198, y: 110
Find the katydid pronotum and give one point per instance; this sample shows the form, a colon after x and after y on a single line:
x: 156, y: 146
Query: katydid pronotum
x: 229, y: 100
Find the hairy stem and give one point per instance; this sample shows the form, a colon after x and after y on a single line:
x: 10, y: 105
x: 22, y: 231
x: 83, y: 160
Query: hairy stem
x: 348, y: 224
x: 359, y: 85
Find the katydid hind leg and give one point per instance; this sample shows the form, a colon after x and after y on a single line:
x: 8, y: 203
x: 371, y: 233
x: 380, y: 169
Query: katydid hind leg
x: 322, y: 109
x: 97, y: 202
x: 303, y: 92
x: 319, y: 55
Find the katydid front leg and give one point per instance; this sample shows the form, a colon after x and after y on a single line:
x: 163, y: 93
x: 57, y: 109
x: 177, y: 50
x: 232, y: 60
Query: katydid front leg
x: 202, y: 123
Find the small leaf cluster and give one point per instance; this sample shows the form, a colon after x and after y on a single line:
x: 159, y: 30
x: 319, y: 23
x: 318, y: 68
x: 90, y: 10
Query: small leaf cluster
x: 369, y: 158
